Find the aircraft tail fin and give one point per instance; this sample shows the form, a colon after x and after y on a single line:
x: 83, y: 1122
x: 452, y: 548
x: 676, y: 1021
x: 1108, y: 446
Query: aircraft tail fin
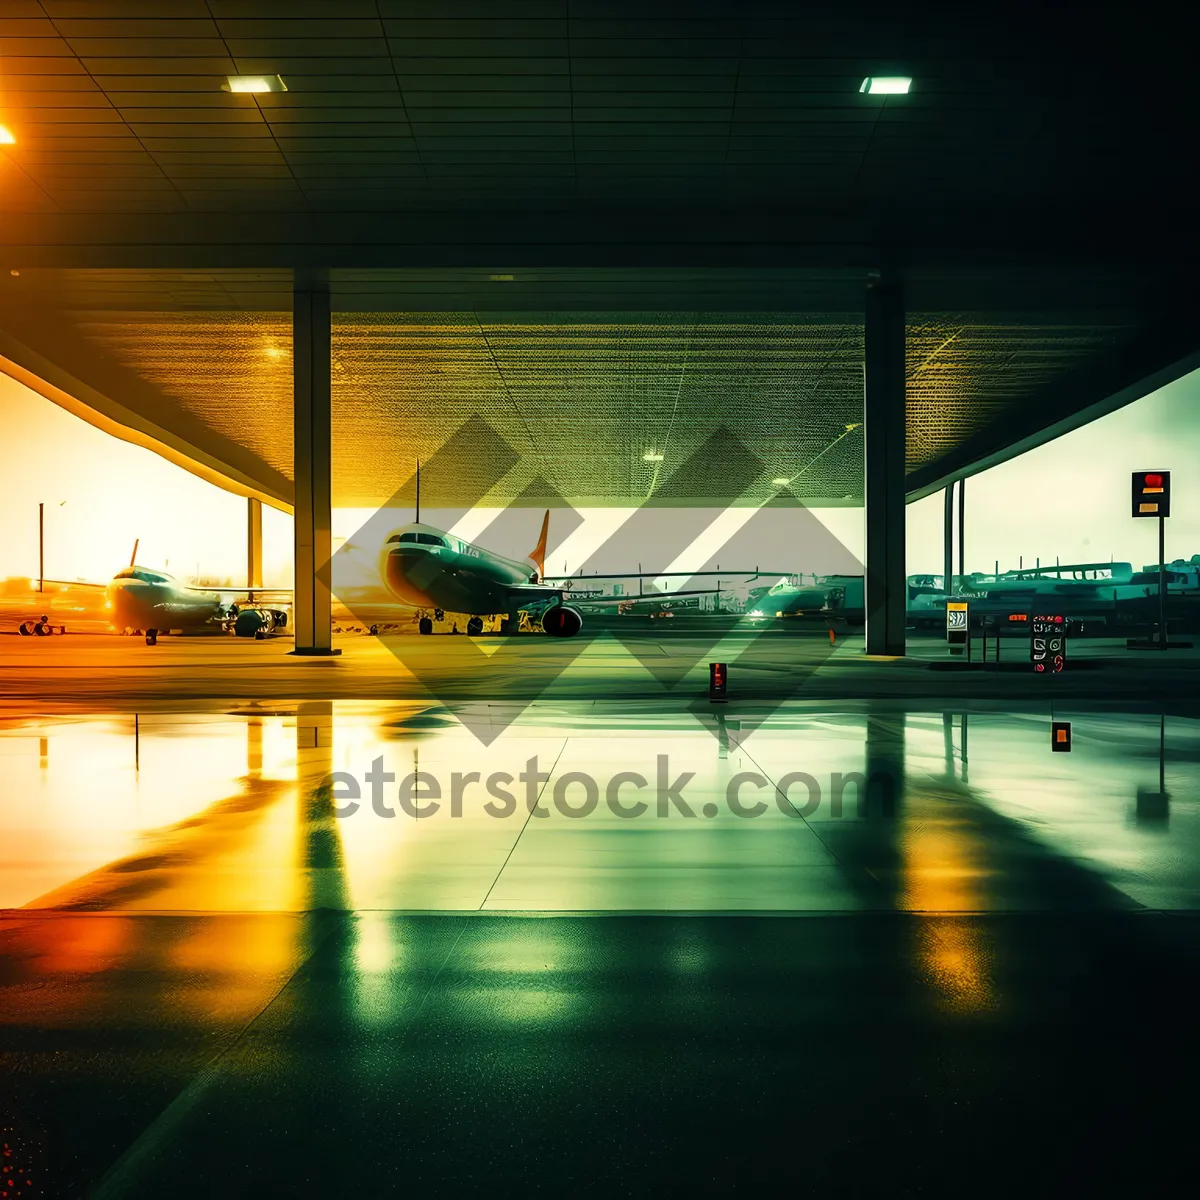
x: 538, y: 554
x: 133, y: 556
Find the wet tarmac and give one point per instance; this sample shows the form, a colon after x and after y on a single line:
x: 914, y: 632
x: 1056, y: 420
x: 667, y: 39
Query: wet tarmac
x: 772, y: 665
x: 843, y: 949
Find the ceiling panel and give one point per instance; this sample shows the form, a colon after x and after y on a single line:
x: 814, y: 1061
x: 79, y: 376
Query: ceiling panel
x: 581, y: 385
x: 506, y: 86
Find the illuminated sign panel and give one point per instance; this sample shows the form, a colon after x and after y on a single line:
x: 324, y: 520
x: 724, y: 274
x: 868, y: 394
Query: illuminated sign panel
x: 1048, y: 643
x: 956, y: 622
x: 1151, y: 494
x: 1060, y: 737
x: 718, y: 681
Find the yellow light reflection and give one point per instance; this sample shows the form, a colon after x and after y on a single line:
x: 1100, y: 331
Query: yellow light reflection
x: 940, y: 875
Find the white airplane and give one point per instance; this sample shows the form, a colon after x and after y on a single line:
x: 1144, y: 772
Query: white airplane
x: 140, y: 600
x: 436, y: 572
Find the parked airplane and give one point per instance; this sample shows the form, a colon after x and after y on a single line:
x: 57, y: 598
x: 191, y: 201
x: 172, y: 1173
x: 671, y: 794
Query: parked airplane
x: 435, y: 572
x: 140, y: 600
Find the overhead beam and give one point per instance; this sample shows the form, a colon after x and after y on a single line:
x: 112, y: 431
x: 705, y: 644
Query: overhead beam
x: 1164, y: 353
x: 560, y: 234
x: 37, y: 352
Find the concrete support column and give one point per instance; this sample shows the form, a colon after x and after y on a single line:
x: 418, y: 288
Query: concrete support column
x: 884, y: 417
x: 948, y: 540
x: 962, y: 526
x: 253, y: 543
x: 311, y: 453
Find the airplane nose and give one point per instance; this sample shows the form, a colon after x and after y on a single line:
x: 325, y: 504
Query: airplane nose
x: 406, y: 568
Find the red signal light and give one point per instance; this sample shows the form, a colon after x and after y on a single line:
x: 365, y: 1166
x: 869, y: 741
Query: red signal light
x: 1153, y: 480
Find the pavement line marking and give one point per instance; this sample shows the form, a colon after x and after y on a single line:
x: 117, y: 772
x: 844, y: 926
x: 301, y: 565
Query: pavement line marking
x: 528, y: 818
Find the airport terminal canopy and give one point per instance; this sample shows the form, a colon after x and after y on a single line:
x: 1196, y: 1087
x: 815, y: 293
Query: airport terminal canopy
x: 603, y: 227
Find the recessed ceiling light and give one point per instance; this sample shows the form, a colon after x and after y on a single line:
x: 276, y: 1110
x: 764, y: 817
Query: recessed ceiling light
x: 6, y: 137
x: 886, y: 85
x: 254, y: 83
x: 780, y: 482
x: 652, y: 456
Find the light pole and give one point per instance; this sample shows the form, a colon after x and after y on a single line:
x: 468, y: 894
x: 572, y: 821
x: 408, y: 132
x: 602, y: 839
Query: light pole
x: 42, y: 544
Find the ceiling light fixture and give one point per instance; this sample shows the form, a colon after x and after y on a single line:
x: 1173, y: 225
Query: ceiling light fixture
x: 652, y: 456
x: 886, y: 85
x: 6, y: 136
x: 254, y: 83
x: 780, y: 482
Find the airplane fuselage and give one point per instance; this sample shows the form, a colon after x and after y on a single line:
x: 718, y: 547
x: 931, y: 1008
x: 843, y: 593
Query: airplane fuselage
x: 428, y: 568
x: 138, y: 598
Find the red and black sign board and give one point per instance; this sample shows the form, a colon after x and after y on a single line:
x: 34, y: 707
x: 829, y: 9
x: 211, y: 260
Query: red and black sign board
x: 718, y: 681
x: 1060, y: 737
x: 1152, y: 493
x: 1048, y: 643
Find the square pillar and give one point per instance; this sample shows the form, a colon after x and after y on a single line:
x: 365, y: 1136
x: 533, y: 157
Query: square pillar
x: 253, y: 543
x: 948, y: 539
x: 312, y: 450
x: 884, y: 417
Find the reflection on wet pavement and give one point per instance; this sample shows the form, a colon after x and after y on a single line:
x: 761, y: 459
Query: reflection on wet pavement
x: 363, y: 806
x: 241, y: 954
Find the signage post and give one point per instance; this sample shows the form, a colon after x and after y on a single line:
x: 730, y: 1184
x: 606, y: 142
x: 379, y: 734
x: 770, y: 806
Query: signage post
x: 1152, y: 498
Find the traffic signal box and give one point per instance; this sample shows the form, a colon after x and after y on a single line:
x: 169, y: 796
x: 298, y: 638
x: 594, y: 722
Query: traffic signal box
x: 718, y: 681
x: 1060, y: 737
x: 1151, y: 493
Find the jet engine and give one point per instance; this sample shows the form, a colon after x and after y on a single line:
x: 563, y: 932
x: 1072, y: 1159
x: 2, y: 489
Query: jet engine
x: 258, y: 622
x: 561, y: 620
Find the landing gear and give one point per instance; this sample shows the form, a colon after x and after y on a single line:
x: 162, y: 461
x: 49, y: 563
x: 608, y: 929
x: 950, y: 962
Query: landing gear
x: 474, y: 627
x: 425, y: 625
x: 151, y: 637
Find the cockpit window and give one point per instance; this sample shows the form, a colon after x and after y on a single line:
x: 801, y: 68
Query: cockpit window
x: 423, y: 539
x: 142, y: 575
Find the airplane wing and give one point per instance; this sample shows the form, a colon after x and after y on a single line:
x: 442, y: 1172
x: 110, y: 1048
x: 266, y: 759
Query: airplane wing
x: 260, y: 593
x: 648, y: 597
x: 533, y: 592
x: 75, y: 583
x: 529, y: 593
x: 753, y: 572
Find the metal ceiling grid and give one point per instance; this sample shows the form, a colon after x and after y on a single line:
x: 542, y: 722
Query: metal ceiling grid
x: 966, y: 370
x: 392, y: 104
